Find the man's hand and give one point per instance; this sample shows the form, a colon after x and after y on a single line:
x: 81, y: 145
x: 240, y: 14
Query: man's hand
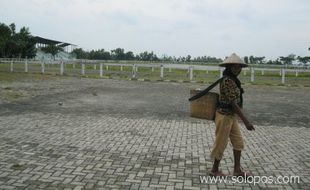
x: 249, y: 126
x: 239, y: 112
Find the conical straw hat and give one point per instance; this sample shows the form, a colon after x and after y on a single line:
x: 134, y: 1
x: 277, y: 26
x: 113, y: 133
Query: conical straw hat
x: 233, y: 59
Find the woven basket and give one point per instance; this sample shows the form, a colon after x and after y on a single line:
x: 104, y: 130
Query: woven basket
x: 204, y: 107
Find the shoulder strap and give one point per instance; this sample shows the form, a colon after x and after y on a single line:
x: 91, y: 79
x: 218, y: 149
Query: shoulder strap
x: 205, y: 91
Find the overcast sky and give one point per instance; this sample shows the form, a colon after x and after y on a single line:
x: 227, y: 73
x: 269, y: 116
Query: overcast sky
x: 268, y: 28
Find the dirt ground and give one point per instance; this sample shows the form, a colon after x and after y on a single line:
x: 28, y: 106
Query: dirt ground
x: 264, y: 105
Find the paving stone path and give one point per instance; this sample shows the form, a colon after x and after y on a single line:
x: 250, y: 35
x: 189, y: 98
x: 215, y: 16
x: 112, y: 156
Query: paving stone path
x: 72, y: 150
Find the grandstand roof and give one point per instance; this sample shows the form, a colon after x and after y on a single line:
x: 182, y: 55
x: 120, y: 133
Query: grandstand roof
x: 52, y: 42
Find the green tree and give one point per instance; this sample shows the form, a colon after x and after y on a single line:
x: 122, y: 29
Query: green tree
x: 118, y: 54
x: 52, y: 49
x: 303, y: 60
x: 80, y: 53
x: 188, y: 58
x: 259, y: 59
x: 13, y: 44
x: 146, y: 56
x: 251, y: 59
x: 129, y: 55
x: 5, y: 37
x: 246, y: 59
x: 287, y: 59
x: 25, y: 43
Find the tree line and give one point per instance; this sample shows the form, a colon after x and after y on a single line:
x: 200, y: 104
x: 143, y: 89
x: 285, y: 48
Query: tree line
x: 286, y: 60
x: 16, y: 44
x: 121, y: 54
x: 22, y: 44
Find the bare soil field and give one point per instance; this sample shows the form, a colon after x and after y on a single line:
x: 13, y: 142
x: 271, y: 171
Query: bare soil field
x: 264, y: 105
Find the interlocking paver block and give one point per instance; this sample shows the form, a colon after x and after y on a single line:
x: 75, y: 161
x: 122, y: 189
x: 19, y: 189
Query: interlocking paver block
x: 65, y: 149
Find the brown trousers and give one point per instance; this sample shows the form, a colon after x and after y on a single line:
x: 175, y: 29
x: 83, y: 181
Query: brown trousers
x: 226, y: 128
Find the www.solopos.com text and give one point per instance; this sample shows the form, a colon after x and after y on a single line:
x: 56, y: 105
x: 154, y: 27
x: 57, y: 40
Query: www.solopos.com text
x: 250, y: 179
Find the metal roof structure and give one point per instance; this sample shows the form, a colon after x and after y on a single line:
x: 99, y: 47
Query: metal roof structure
x: 41, y: 40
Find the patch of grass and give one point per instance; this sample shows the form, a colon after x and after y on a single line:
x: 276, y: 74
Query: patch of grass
x: 13, y: 96
x: 17, y: 167
x: 10, y: 77
x: 268, y: 84
x: 269, y: 78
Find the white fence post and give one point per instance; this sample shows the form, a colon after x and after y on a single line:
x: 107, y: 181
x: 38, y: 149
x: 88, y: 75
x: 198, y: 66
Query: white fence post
x: 121, y: 67
x: 61, y: 68
x: 263, y: 73
x: 107, y: 67
x: 12, y: 67
x: 26, y: 65
x: 95, y: 67
x: 100, y: 68
x: 161, y: 71
x: 134, y: 71
x: 296, y: 73
x: 191, y: 73
x: 83, y: 69
x: 152, y: 69
x: 244, y: 72
x: 42, y: 67
x: 283, y: 76
x: 73, y: 66
x: 252, y: 74
x: 221, y: 72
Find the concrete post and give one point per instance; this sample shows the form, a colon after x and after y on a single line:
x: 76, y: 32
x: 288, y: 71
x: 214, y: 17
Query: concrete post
x: 221, y: 72
x: 152, y: 69
x: 191, y: 73
x: 207, y: 71
x: 26, y: 65
x: 161, y: 71
x: 252, y: 74
x: 121, y: 68
x: 83, y: 69
x: 95, y: 67
x: 244, y: 72
x: 296, y: 73
x: 134, y: 71
x: 283, y: 76
x: 263, y: 72
x: 73, y: 66
x: 100, y: 69
x: 61, y: 68
x: 107, y: 67
x: 12, y: 69
x: 42, y: 67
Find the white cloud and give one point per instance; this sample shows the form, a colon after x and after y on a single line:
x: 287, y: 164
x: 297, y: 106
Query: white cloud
x: 176, y: 27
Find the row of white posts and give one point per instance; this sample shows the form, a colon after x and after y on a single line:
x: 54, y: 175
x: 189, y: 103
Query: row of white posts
x: 135, y: 70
